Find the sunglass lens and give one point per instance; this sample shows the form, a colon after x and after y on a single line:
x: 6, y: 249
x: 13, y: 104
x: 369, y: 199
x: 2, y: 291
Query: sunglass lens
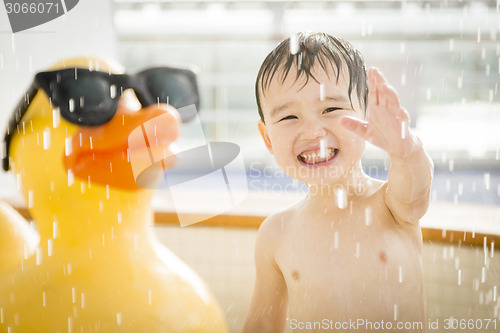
x: 173, y: 88
x: 89, y: 100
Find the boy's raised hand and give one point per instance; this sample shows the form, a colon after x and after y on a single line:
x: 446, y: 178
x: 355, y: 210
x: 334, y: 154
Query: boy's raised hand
x: 387, y: 123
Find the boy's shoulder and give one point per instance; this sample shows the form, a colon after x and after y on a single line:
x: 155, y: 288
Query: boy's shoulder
x: 276, y: 225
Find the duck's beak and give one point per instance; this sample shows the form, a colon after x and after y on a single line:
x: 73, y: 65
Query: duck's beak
x: 106, y: 154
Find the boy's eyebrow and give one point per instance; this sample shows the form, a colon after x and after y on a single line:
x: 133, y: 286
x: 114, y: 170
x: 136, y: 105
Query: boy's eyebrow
x: 334, y: 98
x: 337, y: 98
x: 280, y: 108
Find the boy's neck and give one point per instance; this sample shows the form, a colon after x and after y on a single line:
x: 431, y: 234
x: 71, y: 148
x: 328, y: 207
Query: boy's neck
x: 352, y: 184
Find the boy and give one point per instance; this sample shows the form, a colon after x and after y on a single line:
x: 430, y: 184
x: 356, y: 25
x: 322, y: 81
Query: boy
x: 347, y: 257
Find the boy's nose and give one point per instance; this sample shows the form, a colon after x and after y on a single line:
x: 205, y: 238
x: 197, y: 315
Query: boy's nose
x: 311, y: 130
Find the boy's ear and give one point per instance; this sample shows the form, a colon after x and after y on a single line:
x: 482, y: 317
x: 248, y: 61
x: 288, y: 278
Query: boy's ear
x: 265, y: 137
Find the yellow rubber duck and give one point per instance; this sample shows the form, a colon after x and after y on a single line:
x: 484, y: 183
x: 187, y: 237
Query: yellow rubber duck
x: 98, y: 267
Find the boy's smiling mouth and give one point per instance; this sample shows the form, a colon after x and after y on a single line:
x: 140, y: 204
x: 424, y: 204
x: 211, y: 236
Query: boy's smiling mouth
x: 314, y: 157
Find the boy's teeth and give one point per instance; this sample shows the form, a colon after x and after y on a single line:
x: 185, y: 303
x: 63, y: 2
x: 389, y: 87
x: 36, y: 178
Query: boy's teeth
x: 314, y: 157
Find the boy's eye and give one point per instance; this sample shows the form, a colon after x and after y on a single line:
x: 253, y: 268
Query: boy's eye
x: 288, y: 117
x: 331, y: 110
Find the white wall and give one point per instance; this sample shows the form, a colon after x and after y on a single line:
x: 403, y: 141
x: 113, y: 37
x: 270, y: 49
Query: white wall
x: 85, y: 30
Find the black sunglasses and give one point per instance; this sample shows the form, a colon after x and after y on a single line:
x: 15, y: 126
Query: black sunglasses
x: 90, y: 98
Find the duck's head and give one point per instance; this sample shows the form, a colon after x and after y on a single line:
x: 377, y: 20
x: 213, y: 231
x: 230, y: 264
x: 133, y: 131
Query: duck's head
x: 72, y: 135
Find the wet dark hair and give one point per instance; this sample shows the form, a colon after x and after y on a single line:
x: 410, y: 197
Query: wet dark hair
x: 321, y: 47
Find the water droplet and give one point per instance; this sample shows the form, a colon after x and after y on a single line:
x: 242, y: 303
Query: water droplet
x: 294, y: 44
x: 46, y: 139
x: 368, y: 215
x: 50, y: 247
x: 119, y: 215
x: 459, y: 277
x: 44, y: 303
x: 321, y: 92
x: 38, y: 256
x: 492, y: 248
x: 107, y: 192
x: 336, y: 240
x: 1, y: 316
x: 494, y: 293
x: 486, y: 179
x: 341, y: 197
x: 395, y: 312
x: 483, y: 275
x: 70, y: 325
x: 56, y: 117
x: 322, y: 148
x: 119, y: 318
x: 403, y: 129
x: 400, y: 274
x: 73, y: 295
x: 71, y: 105
x: 112, y: 91
x: 357, y: 250
x: 68, y: 146
x: 30, y: 198
x: 83, y: 300
x: 55, y: 229
x: 71, y: 177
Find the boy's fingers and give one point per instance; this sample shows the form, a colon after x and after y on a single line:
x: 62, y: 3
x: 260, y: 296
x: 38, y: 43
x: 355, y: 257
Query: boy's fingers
x: 391, y: 98
x: 372, y: 88
x: 355, y: 125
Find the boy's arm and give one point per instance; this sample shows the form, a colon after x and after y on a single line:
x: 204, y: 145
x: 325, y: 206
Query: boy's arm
x: 269, y: 305
x: 387, y: 127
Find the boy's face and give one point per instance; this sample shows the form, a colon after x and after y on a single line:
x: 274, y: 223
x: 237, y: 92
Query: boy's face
x: 302, y: 126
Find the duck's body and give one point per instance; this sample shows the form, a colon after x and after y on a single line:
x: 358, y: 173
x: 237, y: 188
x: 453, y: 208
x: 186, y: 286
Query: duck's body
x: 17, y: 239
x: 98, y: 267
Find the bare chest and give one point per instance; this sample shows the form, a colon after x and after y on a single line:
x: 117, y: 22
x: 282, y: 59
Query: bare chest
x: 350, y: 265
